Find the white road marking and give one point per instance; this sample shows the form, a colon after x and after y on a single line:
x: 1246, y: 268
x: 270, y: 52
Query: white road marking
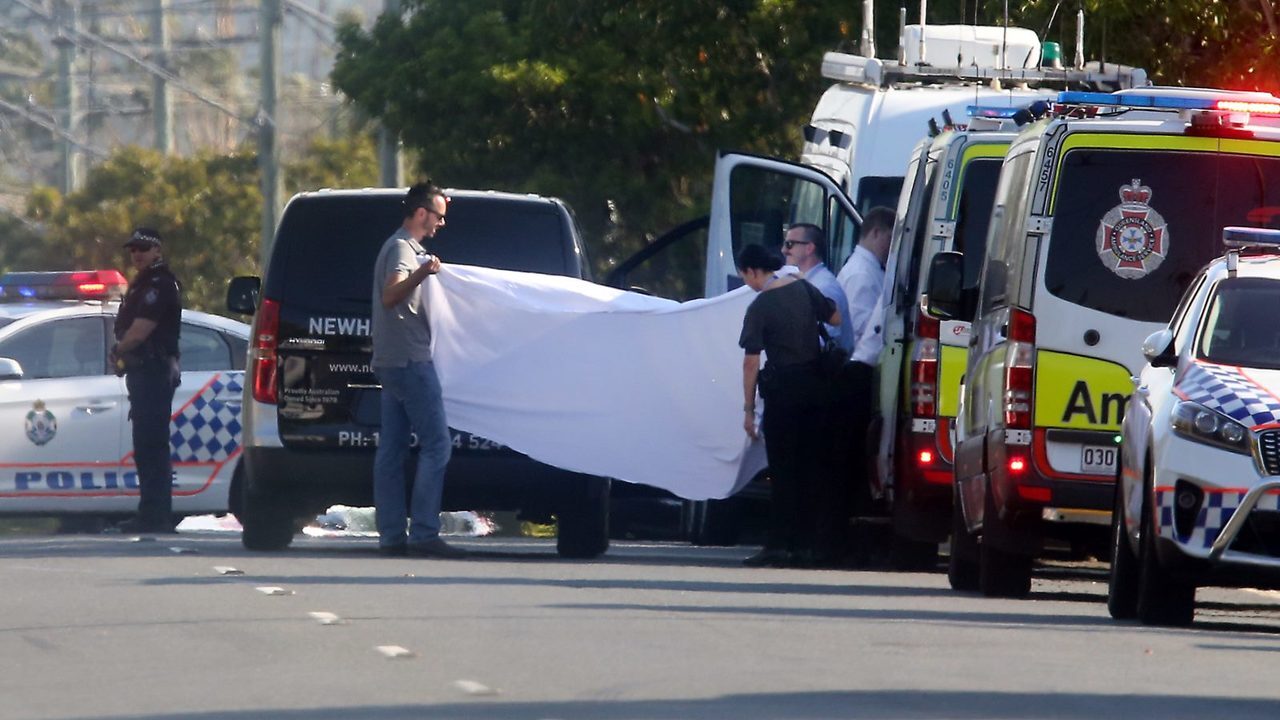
x: 471, y: 687
x: 393, y: 652
x: 325, y: 618
x: 227, y: 570
x: 184, y: 551
x: 272, y: 590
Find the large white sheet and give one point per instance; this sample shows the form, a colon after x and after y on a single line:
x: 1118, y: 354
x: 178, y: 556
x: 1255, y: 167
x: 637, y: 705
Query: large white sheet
x: 596, y: 380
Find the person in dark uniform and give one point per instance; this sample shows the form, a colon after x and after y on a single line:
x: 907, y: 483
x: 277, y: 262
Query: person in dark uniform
x: 146, y: 354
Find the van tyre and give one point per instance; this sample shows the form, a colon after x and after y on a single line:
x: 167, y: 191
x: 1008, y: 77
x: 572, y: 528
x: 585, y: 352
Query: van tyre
x: 962, y: 564
x: 267, y: 523
x: 582, y: 525
x: 1122, y: 587
x: 714, y: 522
x: 1001, y: 573
x: 909, y: 555
x: 1162, y: 599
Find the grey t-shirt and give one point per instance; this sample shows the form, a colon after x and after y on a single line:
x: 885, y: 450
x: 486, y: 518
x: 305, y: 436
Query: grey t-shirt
x: 400, y: 333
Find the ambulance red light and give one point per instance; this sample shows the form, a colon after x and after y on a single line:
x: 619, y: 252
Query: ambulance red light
x: 1034, y: 494
x: 924, y: 366
x: 1017, y: 465
x: 1256, y: 108
x: 925, y: 457
x: 266, y: 363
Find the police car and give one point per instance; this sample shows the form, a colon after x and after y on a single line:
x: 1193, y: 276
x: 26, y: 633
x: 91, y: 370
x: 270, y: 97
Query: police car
x: 65, y: 441
x: 1198, y: 495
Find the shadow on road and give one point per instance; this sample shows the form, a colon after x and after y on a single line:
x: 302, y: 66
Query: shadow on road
x: 886, y: 704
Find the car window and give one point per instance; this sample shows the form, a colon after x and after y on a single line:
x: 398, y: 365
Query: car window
x: 203, y: 349
x: 1240, y: 327
x: 973, y: 215
x: 326, y: 245
x: 1167, y: 228
x: 69, y: 347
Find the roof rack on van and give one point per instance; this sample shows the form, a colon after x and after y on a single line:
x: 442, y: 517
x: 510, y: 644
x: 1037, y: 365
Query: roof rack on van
x: 875, y: 71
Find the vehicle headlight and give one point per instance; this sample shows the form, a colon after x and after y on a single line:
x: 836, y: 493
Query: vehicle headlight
x: 1197, y: 422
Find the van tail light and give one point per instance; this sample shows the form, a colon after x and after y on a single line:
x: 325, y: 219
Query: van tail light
x: 1019, y: 370
x: 924, y: 367
x: 266, y: 362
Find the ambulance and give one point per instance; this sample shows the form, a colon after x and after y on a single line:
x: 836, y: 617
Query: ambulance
x: 945, y: 206
x: 1104, y: 212
x: 860, y: 138
x: 68, y: 450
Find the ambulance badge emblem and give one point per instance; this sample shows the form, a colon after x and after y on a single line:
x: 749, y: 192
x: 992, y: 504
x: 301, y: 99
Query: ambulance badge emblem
x: 1132, y: 237
x: 41, y: 424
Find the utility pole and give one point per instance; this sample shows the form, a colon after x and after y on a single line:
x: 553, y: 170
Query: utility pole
x: 65, y: 19
x: 390, y: 165
x: 269, y: 24
x: 162, y: 108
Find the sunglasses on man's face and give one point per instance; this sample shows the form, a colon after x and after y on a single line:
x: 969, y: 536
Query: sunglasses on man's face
x: 788, y: 244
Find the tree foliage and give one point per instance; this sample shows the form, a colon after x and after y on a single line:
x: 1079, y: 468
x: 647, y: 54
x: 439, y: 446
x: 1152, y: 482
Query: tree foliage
x: 593, y: 101
x: 208, y: 208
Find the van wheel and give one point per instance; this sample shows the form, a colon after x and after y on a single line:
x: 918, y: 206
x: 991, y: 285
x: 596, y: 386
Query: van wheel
x: 909, y: 555
x: 1001, y: 573
x: 1122, y: 586
x: 962, y: 565
x: 714, y: 522
x: 1162, y: 599
x: 582, y: 525
x: 267, y: 523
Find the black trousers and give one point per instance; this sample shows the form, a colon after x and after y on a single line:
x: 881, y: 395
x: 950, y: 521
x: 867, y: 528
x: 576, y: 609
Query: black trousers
x: 795, y: 409
x: 150, y: 405
x: 845, y: 490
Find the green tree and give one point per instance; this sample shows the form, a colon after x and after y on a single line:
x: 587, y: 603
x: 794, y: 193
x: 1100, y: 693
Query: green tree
x: 594, y: 102
x: 207, y: 207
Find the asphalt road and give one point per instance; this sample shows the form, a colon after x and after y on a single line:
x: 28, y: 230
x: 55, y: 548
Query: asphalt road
x: 109, y: 627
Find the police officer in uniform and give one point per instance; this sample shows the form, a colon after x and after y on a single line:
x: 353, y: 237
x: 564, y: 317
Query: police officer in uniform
x: 146, y: 353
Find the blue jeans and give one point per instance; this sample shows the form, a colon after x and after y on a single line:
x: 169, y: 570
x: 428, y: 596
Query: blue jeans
x: 411, y: 401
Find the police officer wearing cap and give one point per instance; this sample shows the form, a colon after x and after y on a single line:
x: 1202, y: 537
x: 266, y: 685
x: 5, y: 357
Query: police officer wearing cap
x: 146, y: 353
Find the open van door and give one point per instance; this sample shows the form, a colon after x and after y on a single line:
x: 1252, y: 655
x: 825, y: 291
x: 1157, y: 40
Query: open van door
x: 756, y: 198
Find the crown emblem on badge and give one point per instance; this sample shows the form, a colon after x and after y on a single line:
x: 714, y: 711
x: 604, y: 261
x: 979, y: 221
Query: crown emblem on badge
x: 41, y: 426
x: 1135, y: 192
x: 38, y: 406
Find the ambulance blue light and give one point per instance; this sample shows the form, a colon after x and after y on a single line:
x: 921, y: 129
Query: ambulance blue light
x: 1136, y: 100
x: 991, y: 112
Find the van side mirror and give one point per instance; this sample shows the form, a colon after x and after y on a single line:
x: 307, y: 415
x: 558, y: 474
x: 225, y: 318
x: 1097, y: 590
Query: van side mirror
x: 242, y: 294
x: 10, y: 369
x: 1158, y: 349
x: 944, y: 287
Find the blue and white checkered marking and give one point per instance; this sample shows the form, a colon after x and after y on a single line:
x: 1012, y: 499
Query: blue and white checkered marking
x: 1214, y: 514
x: 1226, y: 389
x: 208, y: 428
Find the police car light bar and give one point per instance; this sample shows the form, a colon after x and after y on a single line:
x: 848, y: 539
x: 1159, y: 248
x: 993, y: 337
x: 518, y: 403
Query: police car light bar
x: 1237, y: 238
x: 71, y: 285
x: 984, y: 111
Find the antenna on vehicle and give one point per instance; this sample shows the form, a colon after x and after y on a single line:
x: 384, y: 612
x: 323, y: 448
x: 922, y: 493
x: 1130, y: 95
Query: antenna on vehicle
x: 933, y: 128
x: 1004, y: 39
x: 1080, y: 38
x: 902, y: 35
x: 946, y: 119
x: 868, y: 29
x: 924, y: 4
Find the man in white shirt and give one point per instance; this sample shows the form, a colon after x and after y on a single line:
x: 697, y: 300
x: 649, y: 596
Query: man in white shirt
x: 862, y: 278
x: 804, y: 247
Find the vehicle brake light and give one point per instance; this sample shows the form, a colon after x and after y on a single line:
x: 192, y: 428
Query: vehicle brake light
x: 266, y: 363
x: 1019, y: 370
x: 926, y: 457
x: 1017, y: 464
x: 924, y: 366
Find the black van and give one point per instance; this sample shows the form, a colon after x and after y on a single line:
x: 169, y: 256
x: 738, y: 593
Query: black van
x: 311, y: 403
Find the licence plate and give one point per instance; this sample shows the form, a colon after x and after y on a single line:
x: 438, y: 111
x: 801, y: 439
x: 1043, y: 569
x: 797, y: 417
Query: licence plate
x: 1098, y: 459
x: 475, y: 443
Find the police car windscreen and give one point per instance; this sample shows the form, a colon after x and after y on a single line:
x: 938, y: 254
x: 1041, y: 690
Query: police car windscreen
x: 330, y: 243
x: 1240, y: 327
x: 1131, y: 229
